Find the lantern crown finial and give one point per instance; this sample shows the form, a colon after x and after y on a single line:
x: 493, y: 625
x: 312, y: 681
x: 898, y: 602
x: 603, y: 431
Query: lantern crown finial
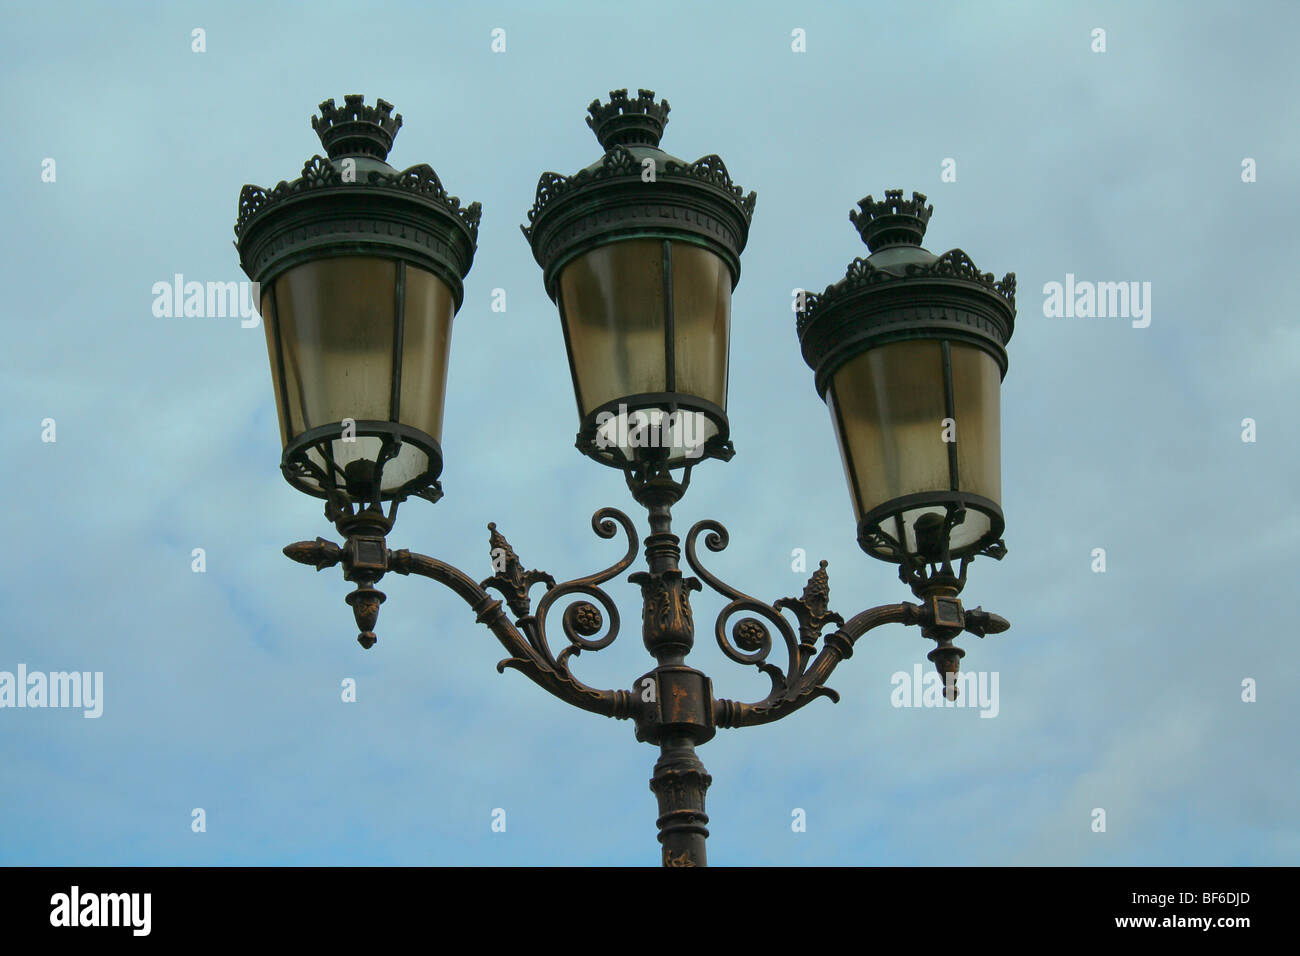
x: 624, y: 121
x: 356, y: 129
x: 894, y: 222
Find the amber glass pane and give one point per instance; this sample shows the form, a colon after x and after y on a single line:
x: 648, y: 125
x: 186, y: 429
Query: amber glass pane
x: 336, y: 320
x: 889, y: 407
x: 702, y: 322
x: 426, y: 345
x: 272, y: 337
x: 612, y: 301
x: 976, y: 384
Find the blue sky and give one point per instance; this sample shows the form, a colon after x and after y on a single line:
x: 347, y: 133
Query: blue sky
x: 1120, y: 690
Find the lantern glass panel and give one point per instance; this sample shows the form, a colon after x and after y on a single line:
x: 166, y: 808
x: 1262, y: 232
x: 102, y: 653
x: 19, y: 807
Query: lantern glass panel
x: 336, y: 323
x: 269, y: 324
x: 889, y: 405
x: 977, y: 386
x: 333, y: 322
x: 612, y: 301
x: 701, y: 322
x: 426, y: 346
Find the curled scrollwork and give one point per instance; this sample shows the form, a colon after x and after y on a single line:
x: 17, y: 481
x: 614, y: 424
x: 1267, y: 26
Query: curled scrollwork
x: 582, y: 620
x: 524, y: 639
x: 751, y: 636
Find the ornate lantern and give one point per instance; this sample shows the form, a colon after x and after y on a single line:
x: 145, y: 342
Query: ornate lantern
x: 909, y: 350
x: 641, y: 251
x: 360, y: 268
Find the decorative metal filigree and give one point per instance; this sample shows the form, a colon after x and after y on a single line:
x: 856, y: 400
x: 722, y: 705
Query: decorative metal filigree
x: 583, y: 619
x: 997, y: 550
x: 628, y: 119
x: 805, y: 678
x: 980, y: 622
x: 431, y: 494
x: 319, y: 172
x: 251, y: 201
x: 953, y: 264
x: 511, y: 579
x: 1006, y: 287
x: 812, y: 610
x: 711, y: 169
x: 666, y: 607
x: 684, y: 712
x: 870, y: 212
x: 320, y: 553
x: 354, y: 125
x: 617, y: 162
x: 624, y: 122
x: 753, y: 639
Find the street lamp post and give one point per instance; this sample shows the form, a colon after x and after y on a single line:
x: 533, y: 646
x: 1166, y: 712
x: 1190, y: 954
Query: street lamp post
x: 361, y: 269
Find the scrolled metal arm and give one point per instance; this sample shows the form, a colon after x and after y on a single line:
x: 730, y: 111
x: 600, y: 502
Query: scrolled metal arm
x: 803, y: 678
x: 525, y: 639
x: 808, y: 670
x: 524, y: 657
x: 811, y: 683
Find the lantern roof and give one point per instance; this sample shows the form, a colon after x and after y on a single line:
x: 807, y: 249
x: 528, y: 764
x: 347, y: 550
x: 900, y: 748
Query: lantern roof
x: 619, y: 197
x: 902, y: 290
x: 351, y: 201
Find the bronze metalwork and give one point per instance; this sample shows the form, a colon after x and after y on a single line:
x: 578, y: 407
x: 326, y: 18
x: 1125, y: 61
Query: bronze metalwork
x: 673, y: 705
x: 408, y: 215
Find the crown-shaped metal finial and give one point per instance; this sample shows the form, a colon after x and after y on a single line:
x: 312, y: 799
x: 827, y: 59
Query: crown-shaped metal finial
x: 628, y: 122
x: 356, y: 129
x: 894, y: 222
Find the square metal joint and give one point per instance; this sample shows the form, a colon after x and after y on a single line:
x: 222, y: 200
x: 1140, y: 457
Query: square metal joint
x: 365, y: 555
x: 675, y: 699
x: 947, y: 612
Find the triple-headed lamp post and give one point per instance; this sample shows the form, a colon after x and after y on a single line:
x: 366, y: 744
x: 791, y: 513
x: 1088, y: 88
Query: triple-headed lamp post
x: 360, y: 268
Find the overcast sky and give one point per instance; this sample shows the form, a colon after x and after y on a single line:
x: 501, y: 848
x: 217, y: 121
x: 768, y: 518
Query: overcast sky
x: 1120, y: 691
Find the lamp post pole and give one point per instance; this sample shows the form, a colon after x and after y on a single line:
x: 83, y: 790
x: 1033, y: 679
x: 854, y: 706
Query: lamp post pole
x: 602, y: 244
x: 679, y: 715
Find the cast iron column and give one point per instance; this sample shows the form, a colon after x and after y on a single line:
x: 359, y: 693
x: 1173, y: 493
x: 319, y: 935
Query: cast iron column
x: 677, y: 711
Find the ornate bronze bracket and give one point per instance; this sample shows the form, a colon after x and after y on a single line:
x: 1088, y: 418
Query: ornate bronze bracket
x: 673, y: 705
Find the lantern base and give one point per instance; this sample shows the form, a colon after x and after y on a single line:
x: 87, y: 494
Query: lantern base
x: 334, y: 462
x: 663, y: 428
x: 890, y: 533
